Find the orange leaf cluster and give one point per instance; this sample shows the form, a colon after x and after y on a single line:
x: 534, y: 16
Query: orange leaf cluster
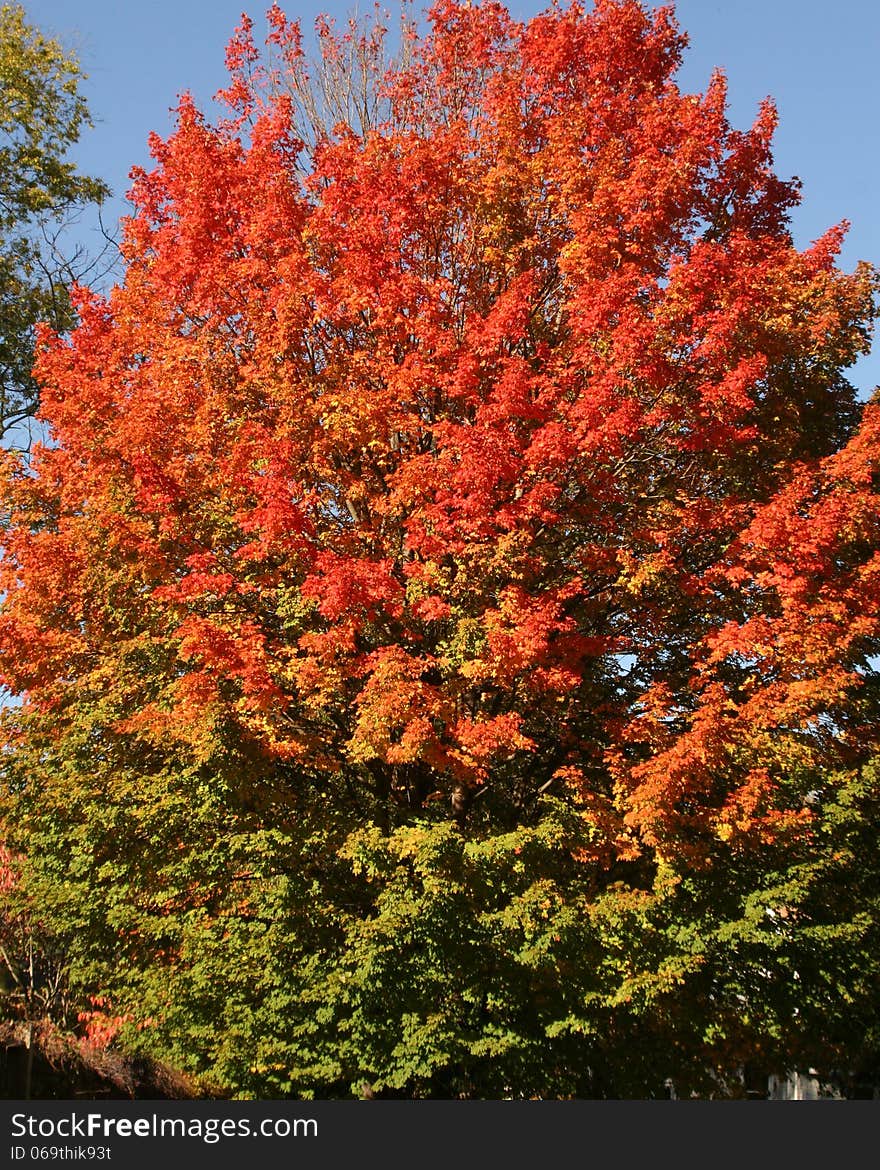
x: 501, y: 442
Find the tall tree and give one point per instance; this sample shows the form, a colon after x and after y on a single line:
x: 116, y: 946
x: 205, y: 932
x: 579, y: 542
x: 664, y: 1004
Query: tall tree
x: 42, y: 114
x: 451, y: 581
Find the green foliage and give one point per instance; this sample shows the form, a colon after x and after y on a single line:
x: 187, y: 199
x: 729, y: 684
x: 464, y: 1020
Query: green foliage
x: 256, y: 933
x: 42, y: 114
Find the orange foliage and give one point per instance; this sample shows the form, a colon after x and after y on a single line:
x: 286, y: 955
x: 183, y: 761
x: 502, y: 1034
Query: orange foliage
x: 505, y: 438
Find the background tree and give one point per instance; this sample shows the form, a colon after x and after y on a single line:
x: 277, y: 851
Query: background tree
x: 447, y: 610
x: 42, y: 114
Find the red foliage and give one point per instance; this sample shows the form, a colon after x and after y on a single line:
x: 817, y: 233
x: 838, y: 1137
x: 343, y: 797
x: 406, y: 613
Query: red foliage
x: 504, y: 440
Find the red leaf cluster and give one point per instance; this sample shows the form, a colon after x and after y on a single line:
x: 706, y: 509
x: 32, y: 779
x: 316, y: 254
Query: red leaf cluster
x: 504, y: 440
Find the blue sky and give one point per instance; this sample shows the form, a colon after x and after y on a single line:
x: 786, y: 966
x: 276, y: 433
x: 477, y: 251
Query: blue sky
x: 818, y: 60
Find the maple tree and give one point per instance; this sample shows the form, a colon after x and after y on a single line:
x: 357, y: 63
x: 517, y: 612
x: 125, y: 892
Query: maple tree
x: 446, y: 609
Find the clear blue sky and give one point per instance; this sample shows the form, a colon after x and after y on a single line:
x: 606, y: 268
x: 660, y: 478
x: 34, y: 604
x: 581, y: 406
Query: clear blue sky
x: 818, y: 60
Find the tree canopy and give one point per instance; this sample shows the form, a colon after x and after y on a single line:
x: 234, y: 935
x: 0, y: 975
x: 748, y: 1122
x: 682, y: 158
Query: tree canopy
x: 42, y: 114
x: 446, y: 611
